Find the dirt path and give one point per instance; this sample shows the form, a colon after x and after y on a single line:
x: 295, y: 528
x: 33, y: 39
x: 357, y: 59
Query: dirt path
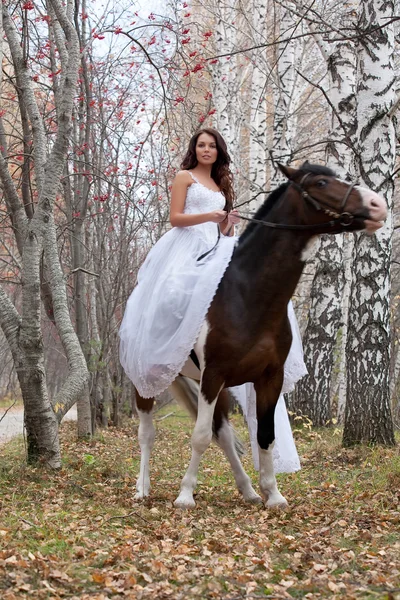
x: 12, y: 422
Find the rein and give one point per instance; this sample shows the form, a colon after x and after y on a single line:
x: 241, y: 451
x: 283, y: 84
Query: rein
x: 211, y: 249
x: 343, y: 218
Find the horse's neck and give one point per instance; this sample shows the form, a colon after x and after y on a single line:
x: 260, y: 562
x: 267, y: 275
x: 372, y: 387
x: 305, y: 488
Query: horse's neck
x: 270, y: 264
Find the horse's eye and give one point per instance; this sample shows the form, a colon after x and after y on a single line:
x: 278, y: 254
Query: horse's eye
x: 322, y: 183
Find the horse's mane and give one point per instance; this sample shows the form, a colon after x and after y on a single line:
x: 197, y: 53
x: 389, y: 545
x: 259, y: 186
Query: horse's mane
x: 264, y: 209
x: 274, y: 196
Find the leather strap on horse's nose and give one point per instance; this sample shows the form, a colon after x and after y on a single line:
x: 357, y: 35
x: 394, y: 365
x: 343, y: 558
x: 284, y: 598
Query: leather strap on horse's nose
x: 351, y: 187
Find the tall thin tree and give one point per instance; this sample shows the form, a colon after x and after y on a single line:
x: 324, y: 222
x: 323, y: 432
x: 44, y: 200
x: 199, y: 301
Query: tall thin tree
x: 368, y: 414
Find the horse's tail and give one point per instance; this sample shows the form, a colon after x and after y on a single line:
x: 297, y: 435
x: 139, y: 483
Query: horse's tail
x: 185, y: 392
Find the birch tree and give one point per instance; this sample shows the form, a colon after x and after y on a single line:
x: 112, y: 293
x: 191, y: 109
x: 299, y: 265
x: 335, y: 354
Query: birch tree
x: 286, y: 88
x: 226, y: 79
x: 312, y: 397
x: 368, y: 413
x: 258, y: 106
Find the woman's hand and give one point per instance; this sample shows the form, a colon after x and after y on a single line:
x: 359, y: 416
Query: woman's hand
x: 230, y: 221
x: 217, y: 216
x: 233, y: 217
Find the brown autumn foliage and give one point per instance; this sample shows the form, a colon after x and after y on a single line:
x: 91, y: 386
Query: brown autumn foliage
x: 77, y: 533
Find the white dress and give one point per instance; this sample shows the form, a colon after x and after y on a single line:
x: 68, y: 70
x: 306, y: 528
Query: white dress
x: 166, y: 310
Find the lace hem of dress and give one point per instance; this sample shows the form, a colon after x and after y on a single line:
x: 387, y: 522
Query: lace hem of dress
x: 294, y: 371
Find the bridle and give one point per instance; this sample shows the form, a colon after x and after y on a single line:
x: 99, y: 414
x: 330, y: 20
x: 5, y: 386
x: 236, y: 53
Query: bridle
x: 338, y: 218
x: 345, y: 217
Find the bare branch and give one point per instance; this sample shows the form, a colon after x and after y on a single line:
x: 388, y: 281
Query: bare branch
x: 26, y: 88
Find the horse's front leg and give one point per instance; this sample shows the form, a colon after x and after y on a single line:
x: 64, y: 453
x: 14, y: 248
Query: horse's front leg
x: 210, y: 386
x: 267, y: 392
x: 146, y: 434
x: 226, y: 440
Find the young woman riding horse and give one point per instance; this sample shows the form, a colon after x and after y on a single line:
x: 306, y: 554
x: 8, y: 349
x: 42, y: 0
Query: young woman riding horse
x: 245, y: 335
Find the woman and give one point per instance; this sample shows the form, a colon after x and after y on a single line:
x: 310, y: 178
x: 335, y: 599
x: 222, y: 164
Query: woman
x: 180, y: 276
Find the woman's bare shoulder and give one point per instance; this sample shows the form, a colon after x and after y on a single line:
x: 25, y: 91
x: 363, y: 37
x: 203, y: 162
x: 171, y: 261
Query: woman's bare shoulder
x: 184, y: 177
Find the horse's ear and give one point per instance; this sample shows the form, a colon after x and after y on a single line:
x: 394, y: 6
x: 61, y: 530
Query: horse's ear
x: 289, y: 172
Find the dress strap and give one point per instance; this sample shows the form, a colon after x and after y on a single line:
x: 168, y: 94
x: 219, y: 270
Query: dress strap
x: 193, y: 177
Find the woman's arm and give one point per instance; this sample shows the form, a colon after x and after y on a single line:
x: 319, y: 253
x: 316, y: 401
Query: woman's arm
x: 178, y: 196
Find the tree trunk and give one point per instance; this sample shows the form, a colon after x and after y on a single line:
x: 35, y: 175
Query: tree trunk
x: 287, y: 57
x: 23, y: 332
x: 80, y: 205
x: 226, y: 79
x: 341, y: 379
x: 71, y: 388
x: 25, y: 342
x: 312, y: 396
x: 368, y: 415
x: 40, y: 420
x: 258, y: 110
x: 83, y: 405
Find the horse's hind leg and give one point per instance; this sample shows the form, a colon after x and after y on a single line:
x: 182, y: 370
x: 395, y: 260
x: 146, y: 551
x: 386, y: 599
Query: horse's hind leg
x: 226, y: 440
x: 210, y: 387
x: 268, y: 390
x: 147, y: 434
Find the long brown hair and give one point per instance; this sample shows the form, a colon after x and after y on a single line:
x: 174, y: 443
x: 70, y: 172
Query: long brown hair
x: 220, y: 171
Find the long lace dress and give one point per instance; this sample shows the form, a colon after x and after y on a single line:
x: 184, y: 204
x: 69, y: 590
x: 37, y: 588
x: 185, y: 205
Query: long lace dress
x: 166, y: 310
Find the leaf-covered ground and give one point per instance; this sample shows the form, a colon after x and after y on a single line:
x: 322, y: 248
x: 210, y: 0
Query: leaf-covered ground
x: 77, y: 533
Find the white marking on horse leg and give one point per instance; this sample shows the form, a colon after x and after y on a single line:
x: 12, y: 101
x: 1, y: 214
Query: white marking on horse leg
x: 268, y: 486
x: 243, y: 482
x: 201, y: 439
x: 200, y: 343
x: 146, y: 434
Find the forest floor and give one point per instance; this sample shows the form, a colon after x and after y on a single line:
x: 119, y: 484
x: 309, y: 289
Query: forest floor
x: 77, y: 534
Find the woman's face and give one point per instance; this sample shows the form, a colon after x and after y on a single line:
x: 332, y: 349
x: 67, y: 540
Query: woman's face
x: 206, y: 149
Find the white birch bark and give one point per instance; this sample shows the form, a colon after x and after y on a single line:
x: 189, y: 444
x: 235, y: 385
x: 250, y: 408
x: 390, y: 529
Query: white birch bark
x: 368, y: 415
x: 285, y: 92
x: 326, y: 317
x: 258, y: 108
x: 226, y: 81
x: 341, y: 381
x: 222, y: 71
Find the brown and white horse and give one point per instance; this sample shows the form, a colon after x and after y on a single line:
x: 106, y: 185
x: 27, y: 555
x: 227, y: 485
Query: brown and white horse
x: 246, y: 336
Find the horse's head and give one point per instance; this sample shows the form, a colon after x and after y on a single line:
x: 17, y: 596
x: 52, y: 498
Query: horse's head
x: 329, y: 199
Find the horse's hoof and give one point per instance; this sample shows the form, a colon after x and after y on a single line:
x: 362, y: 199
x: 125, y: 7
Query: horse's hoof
x: 184, y: 502
x: 253, y: 499
x: 140, y: 496
x: 277, y: 503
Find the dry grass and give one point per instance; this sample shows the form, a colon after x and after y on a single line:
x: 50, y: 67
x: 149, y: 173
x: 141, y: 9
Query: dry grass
x: 77, y: 533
